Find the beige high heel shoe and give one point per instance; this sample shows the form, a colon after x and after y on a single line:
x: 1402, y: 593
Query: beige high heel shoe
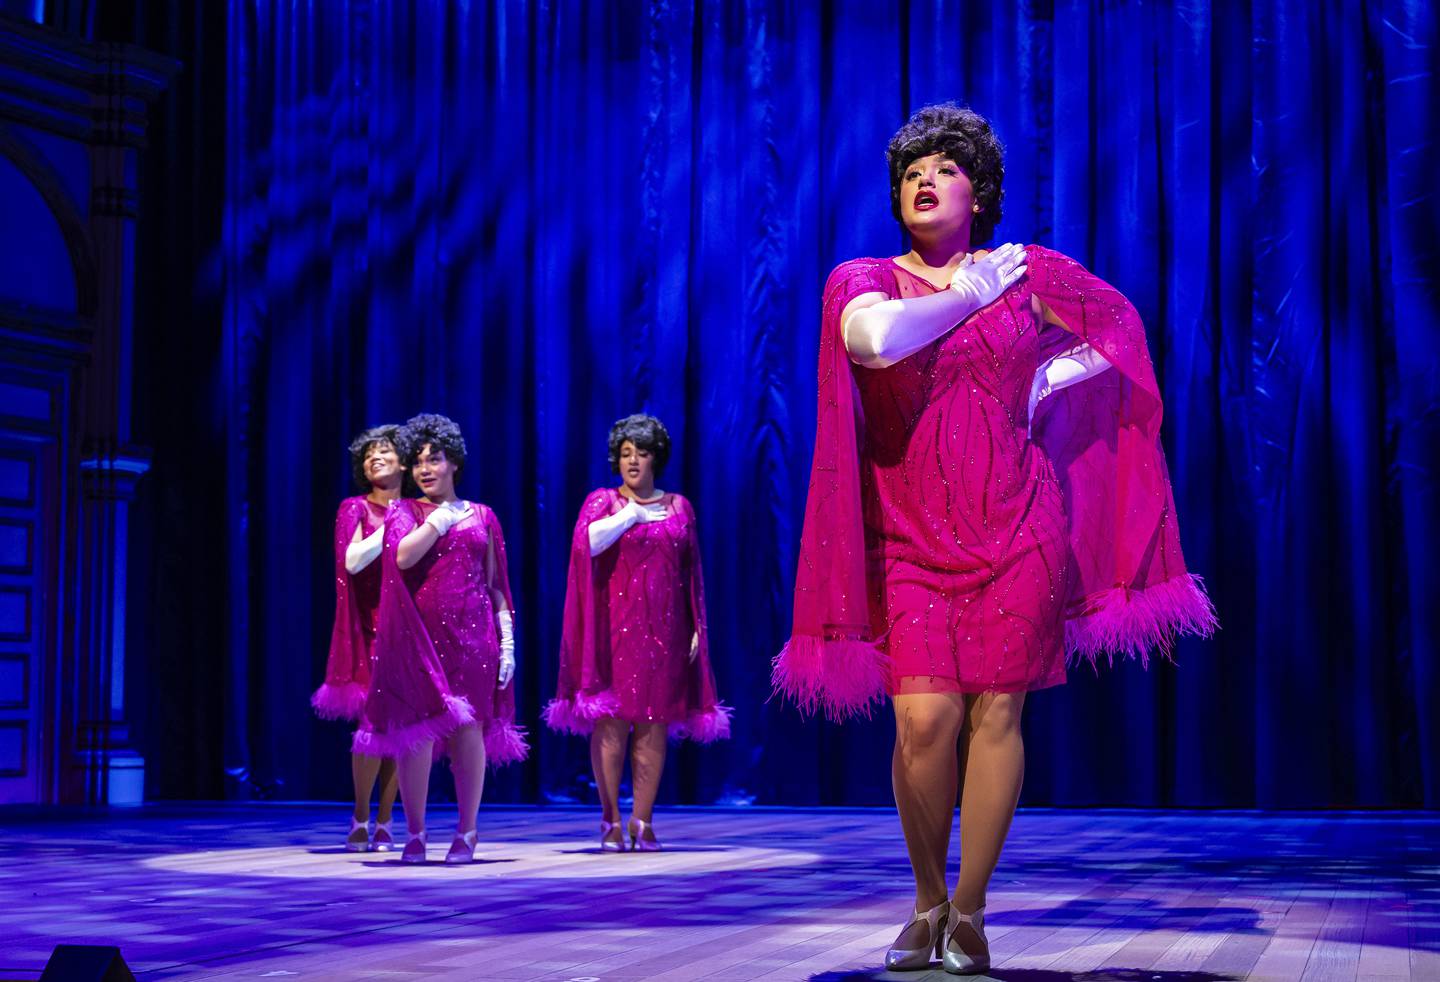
x: 955, y: 959
x: 909, y: 959
x: 462, y: 850
x: 414, y: 849
x: 638, y: 842
x: 608, y: 844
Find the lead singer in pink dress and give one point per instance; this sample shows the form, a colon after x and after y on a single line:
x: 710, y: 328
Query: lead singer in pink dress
x: 444, y: 646
x: 988, y: 491
x: 635, y: 652
x: 359, y: 531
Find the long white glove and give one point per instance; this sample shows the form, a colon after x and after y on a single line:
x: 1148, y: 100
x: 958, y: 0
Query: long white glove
x: 605, y: 532
x: 360, y: 554
x: 892, y: 330
x: 1063, y: 371
x: 444, y: 518
x: 506, y: 623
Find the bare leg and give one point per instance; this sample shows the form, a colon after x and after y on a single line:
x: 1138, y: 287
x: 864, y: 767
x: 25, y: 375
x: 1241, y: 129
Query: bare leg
x: 994, y: 772
x: 647, y: 762
x: 389, y: 787
x: 607, y: 759
x: 467, y: 761
x: 363, y: 770
x: 414, y: 779
x: 923, y: 770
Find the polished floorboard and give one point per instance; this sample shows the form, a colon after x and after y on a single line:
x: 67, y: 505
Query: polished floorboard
x: 253, y: 891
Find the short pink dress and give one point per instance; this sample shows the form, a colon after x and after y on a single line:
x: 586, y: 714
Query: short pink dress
x: 437, y: 644
x: 631, y: 614
x: 952, y: 543
x: 357, y: 597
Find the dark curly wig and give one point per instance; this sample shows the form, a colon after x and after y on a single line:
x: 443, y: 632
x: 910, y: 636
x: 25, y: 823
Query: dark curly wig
x: 440, y: 432
x: 647, y: 433
x: 360, y: 447
x: 965, y: 137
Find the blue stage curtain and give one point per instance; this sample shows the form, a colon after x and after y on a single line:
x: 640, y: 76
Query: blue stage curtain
x: 538, y: 216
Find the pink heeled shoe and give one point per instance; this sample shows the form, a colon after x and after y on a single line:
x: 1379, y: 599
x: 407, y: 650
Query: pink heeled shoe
x: 362, y: 844
x: 462, y: 850
x: 638, y: 842
x: 384, y: 839
x: 414, y: 850
x: 608, y: 844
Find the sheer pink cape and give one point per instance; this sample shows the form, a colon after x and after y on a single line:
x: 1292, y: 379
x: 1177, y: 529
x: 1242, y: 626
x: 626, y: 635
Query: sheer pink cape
x: 410, y: 699
x: 347, y: 669
x: 1132, y: 593
x: 583, y: 693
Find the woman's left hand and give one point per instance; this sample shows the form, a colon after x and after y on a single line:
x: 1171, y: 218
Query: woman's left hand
x: 507, y: 669
x: 694, y: 645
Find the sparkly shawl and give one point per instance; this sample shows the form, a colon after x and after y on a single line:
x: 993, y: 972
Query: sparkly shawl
x: 583, y: 693
x: 1132, y: 592
x: 347, y: 669
x: 410, y: 699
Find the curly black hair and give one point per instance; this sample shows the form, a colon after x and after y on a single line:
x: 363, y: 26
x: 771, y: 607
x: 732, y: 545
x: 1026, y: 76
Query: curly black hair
x: 647, y: 433
x: 360, y: 447
x: 965, y: 137
x: 440, y: 432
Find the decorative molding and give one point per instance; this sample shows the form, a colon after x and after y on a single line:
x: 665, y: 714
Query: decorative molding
x: 87, y: 91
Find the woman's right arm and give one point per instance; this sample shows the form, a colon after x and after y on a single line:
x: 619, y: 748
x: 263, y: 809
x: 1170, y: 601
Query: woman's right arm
x: 879, y: 331
x: 605, y: 532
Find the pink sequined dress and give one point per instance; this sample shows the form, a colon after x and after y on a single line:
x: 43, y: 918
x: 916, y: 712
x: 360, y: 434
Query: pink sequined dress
x: 951, y: 543
x: 631, y: 614
x: 437, y: 644
x: 347, y: 670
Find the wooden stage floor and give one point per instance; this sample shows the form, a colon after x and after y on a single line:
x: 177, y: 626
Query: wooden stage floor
x: 264, y: 891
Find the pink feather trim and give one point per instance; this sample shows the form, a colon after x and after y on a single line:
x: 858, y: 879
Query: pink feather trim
x: 839, y: 675
x: 704, y: 727
x: 578, y: 714
x: 343, y: 701
x: 504, y: 743
x: 397, y: 743
x: 1125, y: 622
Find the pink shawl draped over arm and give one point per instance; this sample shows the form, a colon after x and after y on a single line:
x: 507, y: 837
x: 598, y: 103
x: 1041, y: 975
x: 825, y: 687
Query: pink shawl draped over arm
x: 410, y: 700
x: 347, y: 669
x: 1133, y: 592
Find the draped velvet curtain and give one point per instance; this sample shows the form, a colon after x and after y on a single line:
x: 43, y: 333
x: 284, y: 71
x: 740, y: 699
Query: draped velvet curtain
x: 538, y: 216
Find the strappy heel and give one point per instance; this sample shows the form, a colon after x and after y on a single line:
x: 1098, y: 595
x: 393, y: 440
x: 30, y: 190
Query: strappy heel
x: 385, y: 844
x: 414, y: 850
x: 956, y: 960
x: 638, y: 842
x: 353, y: 844
x: 608, y: 844
x: 908, y: 959
x: 462, y: 850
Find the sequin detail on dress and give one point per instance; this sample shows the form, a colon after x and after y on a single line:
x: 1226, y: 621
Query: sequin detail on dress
x: 437, y: 646
x: 630, y: 614
x: 965, y: 555
x: 357, y: 597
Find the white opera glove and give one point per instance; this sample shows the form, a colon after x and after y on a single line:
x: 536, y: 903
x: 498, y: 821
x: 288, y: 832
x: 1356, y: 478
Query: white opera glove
x: 506, y: 623
x: 444, y: 518
x: 982, y: 281
x: 694, y: 646
x: 1061, y: 372
x: 605, y: 532
x: 360, y: 554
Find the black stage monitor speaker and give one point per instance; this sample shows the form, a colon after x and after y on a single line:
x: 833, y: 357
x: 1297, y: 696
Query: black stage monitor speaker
x: 86, y: 963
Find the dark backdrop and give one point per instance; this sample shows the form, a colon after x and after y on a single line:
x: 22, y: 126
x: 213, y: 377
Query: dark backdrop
x: 538, y: 216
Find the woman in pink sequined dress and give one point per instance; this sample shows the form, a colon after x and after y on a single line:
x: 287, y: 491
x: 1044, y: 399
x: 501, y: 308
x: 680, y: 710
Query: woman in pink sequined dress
x: 635, y: 653
x: 444, y: 645
x: 359, y: 530
x: 988, y: 491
